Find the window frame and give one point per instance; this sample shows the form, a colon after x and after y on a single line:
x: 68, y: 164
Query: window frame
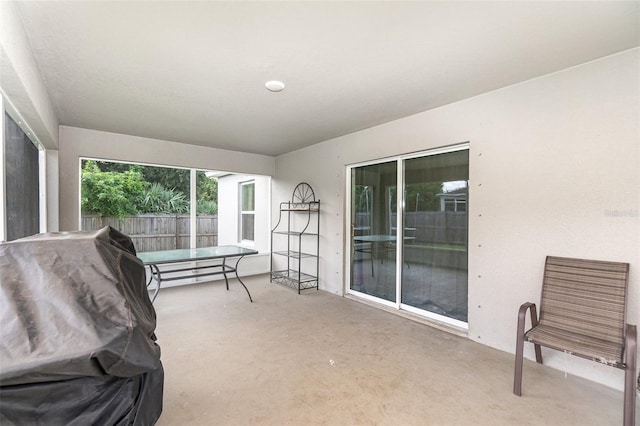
x: 396, y: 304
x: 242, y: 213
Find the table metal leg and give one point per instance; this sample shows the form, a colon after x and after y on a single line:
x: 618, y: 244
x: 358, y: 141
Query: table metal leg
x: 155, y: 274
x: 224, y: 272
x: 238, y: 277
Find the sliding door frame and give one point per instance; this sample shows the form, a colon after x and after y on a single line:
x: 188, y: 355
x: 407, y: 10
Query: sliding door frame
x: 400, y: 205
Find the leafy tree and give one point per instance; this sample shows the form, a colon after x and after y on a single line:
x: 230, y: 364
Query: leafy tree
x: 168, y: 177
x: 111, y: 193
x: 419, y: 196
x: 207, y: 192
x: 362, y: 197
x: 112, y: 166
x: 107, y: 193
x: 177, y: 179
x: 423, y: 196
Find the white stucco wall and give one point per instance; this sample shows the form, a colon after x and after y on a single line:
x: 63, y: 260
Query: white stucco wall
x: 21, y: 82
x: 27, y: 101
x: 554, y: 170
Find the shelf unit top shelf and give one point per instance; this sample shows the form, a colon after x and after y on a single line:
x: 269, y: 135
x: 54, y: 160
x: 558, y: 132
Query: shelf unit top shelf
x: 288, y: 206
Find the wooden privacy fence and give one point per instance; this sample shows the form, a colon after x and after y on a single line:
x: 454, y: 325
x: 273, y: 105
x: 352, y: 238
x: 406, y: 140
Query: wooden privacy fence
x: 438, y: 227
x: 158, y: 232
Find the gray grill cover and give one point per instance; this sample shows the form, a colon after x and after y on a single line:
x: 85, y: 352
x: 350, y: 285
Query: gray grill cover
x: 77, y: 343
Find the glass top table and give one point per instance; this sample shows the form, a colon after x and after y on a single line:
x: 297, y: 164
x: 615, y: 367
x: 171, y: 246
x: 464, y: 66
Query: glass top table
x: 158, y: 260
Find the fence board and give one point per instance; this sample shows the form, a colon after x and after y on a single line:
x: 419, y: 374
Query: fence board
x: 158, y: 232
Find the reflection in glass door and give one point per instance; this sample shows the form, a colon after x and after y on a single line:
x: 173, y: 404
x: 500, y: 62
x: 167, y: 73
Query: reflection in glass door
x: 373, y: 258
x: 434, y: 271
x: 427, y: 272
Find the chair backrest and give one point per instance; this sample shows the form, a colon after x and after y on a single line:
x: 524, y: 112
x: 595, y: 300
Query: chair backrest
x: 586, y: 297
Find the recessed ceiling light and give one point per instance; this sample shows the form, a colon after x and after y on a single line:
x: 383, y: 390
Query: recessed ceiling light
x: 274, y: 85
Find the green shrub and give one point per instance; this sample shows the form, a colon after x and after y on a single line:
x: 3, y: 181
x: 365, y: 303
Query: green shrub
x: 160, y: 200
x: 111, y: 193
x: 207, y: 207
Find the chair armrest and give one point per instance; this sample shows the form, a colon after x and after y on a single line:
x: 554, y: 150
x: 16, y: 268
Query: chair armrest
x: 522, y: 319
x: 522, y: 312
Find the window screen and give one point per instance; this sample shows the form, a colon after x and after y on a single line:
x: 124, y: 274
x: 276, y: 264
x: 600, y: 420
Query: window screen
x: 22, y: 183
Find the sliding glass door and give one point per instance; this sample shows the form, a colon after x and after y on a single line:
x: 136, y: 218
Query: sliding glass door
x: 434, y: 272
x: 373, y: 259
x: 409, y: 247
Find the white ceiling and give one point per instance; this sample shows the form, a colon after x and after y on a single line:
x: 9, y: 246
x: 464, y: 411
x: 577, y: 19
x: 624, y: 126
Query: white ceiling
x: 194, y: 72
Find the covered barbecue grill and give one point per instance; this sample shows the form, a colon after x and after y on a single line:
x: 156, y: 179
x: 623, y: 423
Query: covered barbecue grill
x: 77, y: 342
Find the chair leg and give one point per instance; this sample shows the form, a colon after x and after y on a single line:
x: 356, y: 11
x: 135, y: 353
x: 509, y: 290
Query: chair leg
x: 517, y: 374
x: 538, y: 353
x: 522, y: 315
x: 631, y: 343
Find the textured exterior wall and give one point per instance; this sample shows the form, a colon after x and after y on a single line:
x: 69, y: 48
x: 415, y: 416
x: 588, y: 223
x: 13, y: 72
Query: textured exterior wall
x: 554, y: 170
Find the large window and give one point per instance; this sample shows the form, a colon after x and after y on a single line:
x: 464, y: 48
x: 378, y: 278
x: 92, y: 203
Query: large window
x: 409, y: 247
x: 247, y: 211
x: 151, y: 204
x: 165, y: 208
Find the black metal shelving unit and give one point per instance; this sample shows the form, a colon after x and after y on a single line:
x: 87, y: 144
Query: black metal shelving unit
x: 295, y: 241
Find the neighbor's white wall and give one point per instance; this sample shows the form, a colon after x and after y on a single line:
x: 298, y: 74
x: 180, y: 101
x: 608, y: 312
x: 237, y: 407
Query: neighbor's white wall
x: 554, y: 170
x: 229, y: 216
x: 76, y: 143
x: 229, y: 210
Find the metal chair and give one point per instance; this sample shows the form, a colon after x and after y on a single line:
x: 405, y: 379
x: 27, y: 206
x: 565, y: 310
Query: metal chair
x: 582, y: 313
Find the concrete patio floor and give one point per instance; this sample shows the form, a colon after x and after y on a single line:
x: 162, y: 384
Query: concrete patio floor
x: 321, y: 359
